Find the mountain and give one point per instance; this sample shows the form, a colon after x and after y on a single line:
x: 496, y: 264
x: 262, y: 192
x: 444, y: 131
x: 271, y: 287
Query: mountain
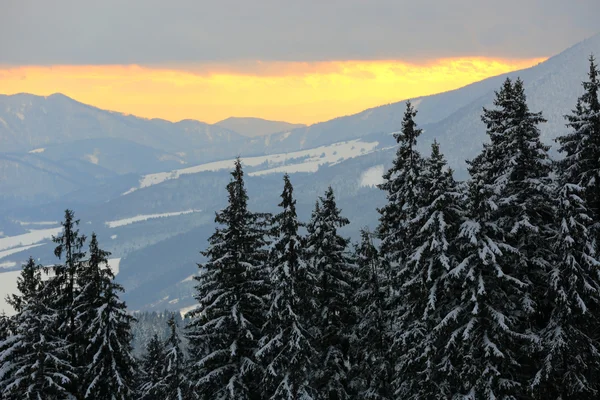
x: 29, y: 122
x: 253, y: 127
x: 156, y: 216
x: 453, y: 118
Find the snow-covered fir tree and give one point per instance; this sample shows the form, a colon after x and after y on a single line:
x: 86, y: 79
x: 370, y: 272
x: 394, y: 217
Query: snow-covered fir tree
x: 488, y: 334
x: 581, y: 146
x: 571, y: 352
x: 5, y: 328
x: 109, y: 369
x: 400, y: 183
x: 176, y: 383
x: 372, y: 365
x: 395, y: 228
x: 65, y: 290
x: 34, y: 363
x: 329, y: 257
x: 423, y: 372
x: 286, y: 349
x: 151, y: 383
x: 525, y: 207
x: 570, y: 349
x: 224, y: 331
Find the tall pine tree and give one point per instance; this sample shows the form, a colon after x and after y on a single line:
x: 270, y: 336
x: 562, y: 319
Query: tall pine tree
x: 225, y: 329
x: 396, y: 230
x: 581, y: 146
x: 372, y: 365
x: 571, y: 353
x: 487, y: 326
x: 151, y: 384
x: 34, y: 363
x: 109, y: 368
x: 286, y: 348
x: 422, y: 370
x: 176, y: 384
x: 570, y: 363
x: 328, y: 254
x: 65, y: 290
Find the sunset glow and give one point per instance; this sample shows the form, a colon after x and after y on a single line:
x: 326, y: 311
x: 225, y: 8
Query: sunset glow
x: 291, y: 91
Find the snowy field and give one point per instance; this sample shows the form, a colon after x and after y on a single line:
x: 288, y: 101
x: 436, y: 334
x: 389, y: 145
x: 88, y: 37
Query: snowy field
x: 294, y: 162
x: 32, y: 237
x: 372, y: 177
x: 145, y: 217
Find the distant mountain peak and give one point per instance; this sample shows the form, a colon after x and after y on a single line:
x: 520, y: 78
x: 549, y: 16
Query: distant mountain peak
x: 253, y: 127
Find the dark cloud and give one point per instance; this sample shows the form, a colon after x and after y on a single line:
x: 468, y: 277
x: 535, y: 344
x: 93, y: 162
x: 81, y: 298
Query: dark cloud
x: 160, y: 31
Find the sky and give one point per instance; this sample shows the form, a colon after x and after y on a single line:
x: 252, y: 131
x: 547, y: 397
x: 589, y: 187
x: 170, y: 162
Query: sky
x: 301, y: 61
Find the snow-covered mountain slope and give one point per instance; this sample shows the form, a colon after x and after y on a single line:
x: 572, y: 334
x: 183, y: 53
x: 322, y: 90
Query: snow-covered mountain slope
x: 453, y: 117
x: 156, y: 227
x: 253, y: 127
x: 28, y: 122
x: 300, y: 161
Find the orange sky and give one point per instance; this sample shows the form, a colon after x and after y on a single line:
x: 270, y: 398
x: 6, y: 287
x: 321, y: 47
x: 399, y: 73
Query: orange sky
x: 290, y: 91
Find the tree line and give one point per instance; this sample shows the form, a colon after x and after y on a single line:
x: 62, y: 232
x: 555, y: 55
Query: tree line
x: 483, y: 289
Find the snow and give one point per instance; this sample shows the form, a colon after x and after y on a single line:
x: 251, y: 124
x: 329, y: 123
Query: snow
x: 299, y: 161
x: 285, y: 136
x: 35, y: 151
x: 113, y: 237
x: 15, y: 250
x: 115, y: 265
x: 8, y: 284
x: 185, y: 310
x: 145, y: 217
x: 372, y: 177
x: 93, y: 158
x: 290, y: 169
x: 7, y: 264
x: 20, y: 116
x: 415, y: 103
x: 23, y: 223
x: 26, y: 239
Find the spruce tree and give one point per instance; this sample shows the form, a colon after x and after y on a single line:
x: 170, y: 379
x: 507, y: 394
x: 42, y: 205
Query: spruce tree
x: 373, y: 369
x: 286, y: 348
x: 151, y: 385
x: 396, y: 228
x: 488, y: 327
x: 581, y: 146
x: 34, y: 363
x: 176, y: 384
x: 5, y: 328
x: 422, y: 370
x: 224, y: 331
x: 328, y: 254
x: 110, y: 369
x: 402, y: 193
x: 65, y: 290
x: 571, y: 353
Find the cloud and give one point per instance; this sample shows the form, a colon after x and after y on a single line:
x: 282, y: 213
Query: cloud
x: 157, y: 31
x: 303, y: 92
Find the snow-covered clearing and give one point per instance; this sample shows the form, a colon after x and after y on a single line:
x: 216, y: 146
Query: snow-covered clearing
x: 8, y: 284
x: 15, y: 250
x: 372, y: 177
x: 299, y: 161
x: 26, y: 239
x: 145, y: 217
x: 24, y: 223
x: 7, y: 264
